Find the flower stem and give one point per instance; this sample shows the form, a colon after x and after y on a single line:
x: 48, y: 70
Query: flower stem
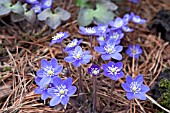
x: 91, y: 46
x: 94, y: 93
x: 80, y: 79
x: 67, y: 66
x: 133, y: 63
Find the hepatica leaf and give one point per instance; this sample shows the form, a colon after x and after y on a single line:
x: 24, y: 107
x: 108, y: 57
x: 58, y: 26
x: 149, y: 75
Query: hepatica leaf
x: 17, y: 8
x: 30, y: 15
x: 4, y: 10
x: 102, y: 15
x: 85, y: 16
x: 108, y: 4
x: 53, y: 20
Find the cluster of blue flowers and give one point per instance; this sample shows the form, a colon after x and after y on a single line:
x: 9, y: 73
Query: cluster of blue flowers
x: 39, y: 5
x: 50, y: 85
x: 109, y: 37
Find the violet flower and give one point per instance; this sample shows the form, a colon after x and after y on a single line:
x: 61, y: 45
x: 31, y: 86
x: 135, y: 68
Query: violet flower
x: 113, y: 70
x: 135, y: 88
x: 118, y: 23
x: 42, y: 89
x: 134, y: 1
x: 102, y: 29
x: 109, y: 50
x: 71, y: 46
x: 134, y: 50
x: 101, y: 39
x: 49, y: 70
x: 37, y: 7
x: 78, y: 57
x: 88, y: 30
x: 58, y: 38
x: 61, y: 91
x: 47, y: 3
x: 116, y: 35
x: 32, y: 1
x: 136, y: 19
x: 94, y: 70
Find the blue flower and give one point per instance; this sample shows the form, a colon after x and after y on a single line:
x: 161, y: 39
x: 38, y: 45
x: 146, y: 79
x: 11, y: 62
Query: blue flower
x: 61, y: 91
x: 71, y: 46
x: 134, y: 1
x: 32, y: 1
x: 47, y: 3
x: 78, y: 57
x: 42, y: 89
x: 50, y: 69
x: 135, y: 88
x: 59, y: 37
x: 118, y: 23
x: 109, y: 50
x: 102, y: 29
x: 136, y: 19
x: 94, y: 70
x: 134, y: 50
x: 37, y: 7
x: 113, y: 70
x: 127, y: 17
x: 101, y: 39
x: 88, y: 31
x: 116, y: 35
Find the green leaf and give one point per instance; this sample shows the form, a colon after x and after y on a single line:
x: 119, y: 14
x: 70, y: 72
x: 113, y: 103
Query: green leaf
x: 102, y: 15
x: 17, y: 17
x: 17, y: 8
x: 44, y: 14
x: 5, y: 1
x: 85, y: 16
x: 53, y: 20
x: 4, y: 10
x: 108, y: 4
x: 63, y: 14
x: 30, y: 16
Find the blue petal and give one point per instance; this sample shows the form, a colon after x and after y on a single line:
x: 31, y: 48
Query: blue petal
x: 55, y: 101
x: 106, y: 57
x: 139, y: 79
x: 69, y: 59
x: 37, y: 90
x: 40, y: 72
x: 116, y: 56
x: 57, y: 81
x: 45, y: 81
x: 67, y: 82
x: 126, y: 87
x: 58, y: 69
x: 64, y: 100
x: 140, y: 96
x: 104, y: 67
x: 45, y: 63
x: 120, y: 74
x: 44, y: 95
x: 78, y: 49
x: 119, y: 65
x: 71, y: 90
x: 111, y: 63
x: 144, y: 89
x: 111, y: 42
x: 86, y: 52
x: 130, y: 95
x: 54, y: 62
x: 37, y: 80
x: 129, y: 79
x: 118, y: 48
x: 77, y: 63
x: 99, y: 49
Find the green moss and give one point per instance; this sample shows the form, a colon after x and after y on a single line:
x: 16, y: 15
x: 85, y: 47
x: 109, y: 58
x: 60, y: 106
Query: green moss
x: 164, y: 88
x: 6, y: 69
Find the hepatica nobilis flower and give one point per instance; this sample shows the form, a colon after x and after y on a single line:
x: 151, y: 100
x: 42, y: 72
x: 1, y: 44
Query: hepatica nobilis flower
x: 49, y: 70
x: 58, y: 38
x: 134, y: 1
x: 88, y: 30
x: 47, y: 3
x: 94, y: 70
x: 32, y: 1
x: 61, y: 91
x: 136, y: 19
x: 42, y: 89
x: 109, y: 50
x: 101, y: 39
x: 113, y: 70
x: 102, y: 29
x: 71, y: 46
x: 135, y: 88
x: 37, y: 8
x: 78, y: 57
x: 134, y: 50
x: 118, y: 23
x: 116, y: 35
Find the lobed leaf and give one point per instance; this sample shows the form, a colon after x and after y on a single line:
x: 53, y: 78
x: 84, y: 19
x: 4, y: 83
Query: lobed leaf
x: 5, y: 2
x: 4, y: 10
x: 17, y: 8
x: 44, y: 14
x: 63, y: 14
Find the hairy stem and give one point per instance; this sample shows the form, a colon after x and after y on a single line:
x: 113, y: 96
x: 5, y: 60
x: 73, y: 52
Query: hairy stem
x: 80, y: 79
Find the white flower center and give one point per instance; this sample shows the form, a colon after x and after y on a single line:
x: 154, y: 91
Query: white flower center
x: 36, y: 8
x: 90, y: 30
x: 115, y: 36
x: 95, y: 71
x: 113, y: 70
x: 72, y: 44
x: 134, y: 86
x: 48, y: 2
x: 60, y: 91
x: 102, y: 38
x: 109, y: 49
x: 118, y: 24
x: 58, y: 36
x: 78, y: 55
x: 49, y: 71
